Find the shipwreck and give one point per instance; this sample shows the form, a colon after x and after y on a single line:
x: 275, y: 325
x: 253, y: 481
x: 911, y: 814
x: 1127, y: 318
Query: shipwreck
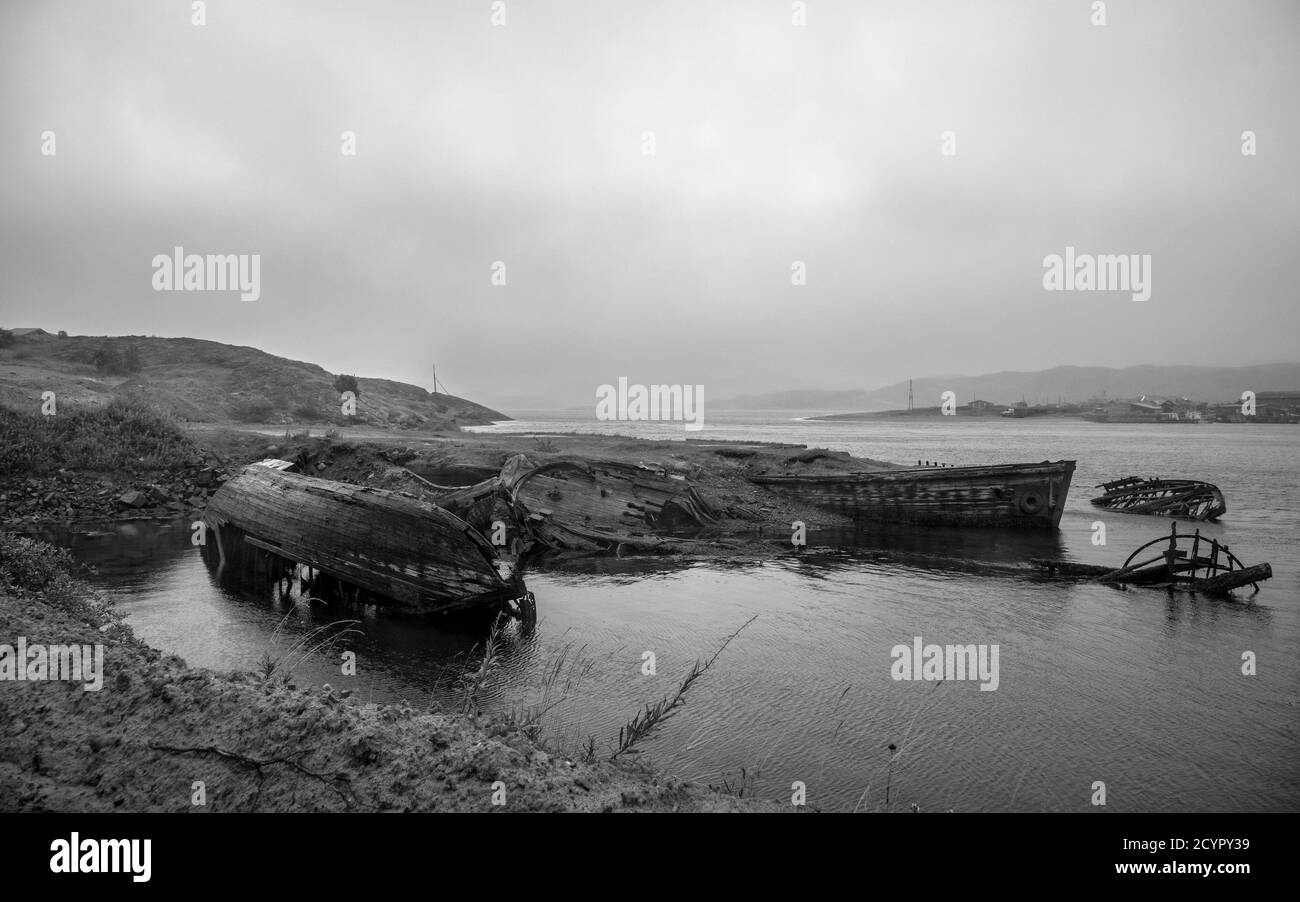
x: 594, y: 505
x: 1185, y: 498
x: 1004, y: 495
x: 401, y: 551
x: 1207, y: 566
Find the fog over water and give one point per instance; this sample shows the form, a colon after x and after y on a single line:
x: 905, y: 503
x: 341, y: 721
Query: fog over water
x: 775, y: 144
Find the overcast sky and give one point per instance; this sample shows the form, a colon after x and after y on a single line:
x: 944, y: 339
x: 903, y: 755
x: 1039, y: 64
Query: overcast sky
x: 774, y: 143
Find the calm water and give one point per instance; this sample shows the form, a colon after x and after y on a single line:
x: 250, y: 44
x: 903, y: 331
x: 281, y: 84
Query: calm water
x: 1141, y: 689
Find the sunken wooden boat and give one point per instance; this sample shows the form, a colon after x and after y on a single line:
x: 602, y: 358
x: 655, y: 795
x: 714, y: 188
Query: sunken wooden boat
x: 1005, y: 495
x: 1167, y: 562
x: 408, y: 552
x: 1183, y: 498
x: 597, y: 505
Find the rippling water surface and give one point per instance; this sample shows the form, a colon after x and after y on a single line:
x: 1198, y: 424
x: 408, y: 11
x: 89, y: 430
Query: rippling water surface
x: 1141, y: 689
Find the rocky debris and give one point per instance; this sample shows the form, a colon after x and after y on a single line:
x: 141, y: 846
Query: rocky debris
x: 67, y: 496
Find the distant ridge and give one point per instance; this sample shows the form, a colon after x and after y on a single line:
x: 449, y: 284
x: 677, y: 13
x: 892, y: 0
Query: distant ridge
x: 1065, y: 383
x: 207, y: 381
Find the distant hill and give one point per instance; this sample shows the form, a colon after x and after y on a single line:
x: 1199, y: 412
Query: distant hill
x: 207, y: 381
x: 1065, y: 383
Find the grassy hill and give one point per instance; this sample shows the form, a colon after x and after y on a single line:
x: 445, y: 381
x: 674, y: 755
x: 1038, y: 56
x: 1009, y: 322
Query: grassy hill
x: 206, y: 381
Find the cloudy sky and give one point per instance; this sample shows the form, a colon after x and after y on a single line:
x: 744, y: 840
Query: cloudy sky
x: 773, y: 143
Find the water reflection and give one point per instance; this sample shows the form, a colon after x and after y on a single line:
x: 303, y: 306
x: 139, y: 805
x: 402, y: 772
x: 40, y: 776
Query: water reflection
x: 937, y: 543
x: 805, y: 692
x: 121, y: 551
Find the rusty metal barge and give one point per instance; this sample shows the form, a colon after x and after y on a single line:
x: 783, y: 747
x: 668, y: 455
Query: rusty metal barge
x: 1005, y: 495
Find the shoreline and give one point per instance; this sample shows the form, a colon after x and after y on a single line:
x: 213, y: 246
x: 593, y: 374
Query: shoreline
x: 158, y: 728
x: 410, y: 461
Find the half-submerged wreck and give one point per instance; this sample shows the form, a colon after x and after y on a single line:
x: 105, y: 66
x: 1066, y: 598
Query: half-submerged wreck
x: 595, y: 505
x: 1208, y: 566
x: 1185, y: 498
x: 1005, y: 495
x: 418, y: 556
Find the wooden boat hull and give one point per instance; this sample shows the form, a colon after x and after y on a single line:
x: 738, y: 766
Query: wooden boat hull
x: 1184, y: 498
x: 1207, y: 566
x: 1008, y: 495
x: 411, y: 552
x: 594, y: 505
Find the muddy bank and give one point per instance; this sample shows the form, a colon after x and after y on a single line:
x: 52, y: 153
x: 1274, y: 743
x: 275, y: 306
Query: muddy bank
x: 157, y: 726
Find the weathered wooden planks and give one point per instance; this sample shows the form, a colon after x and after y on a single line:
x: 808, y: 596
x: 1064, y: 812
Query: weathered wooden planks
x: 1018, y: 495
x: 1236, y: 579
x: 1207, y: 566
x: 592, y: 504
x: 421, y: 557
x: 1185, y: 498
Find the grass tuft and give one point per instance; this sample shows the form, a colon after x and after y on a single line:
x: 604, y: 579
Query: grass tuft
x: 654, y: 716
x: 125, y: 434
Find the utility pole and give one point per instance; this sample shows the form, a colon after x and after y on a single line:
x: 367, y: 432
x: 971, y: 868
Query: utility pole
x: 909, y: 394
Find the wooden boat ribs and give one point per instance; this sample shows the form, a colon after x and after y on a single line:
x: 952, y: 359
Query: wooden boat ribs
x: 1208, y: 566
x: 1184, y: 498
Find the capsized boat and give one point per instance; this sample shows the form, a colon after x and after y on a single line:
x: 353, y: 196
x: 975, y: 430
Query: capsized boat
x: 1185, y: 498
x: 595, y: 505
x: 1002, y: 495
x: 413, y: 553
